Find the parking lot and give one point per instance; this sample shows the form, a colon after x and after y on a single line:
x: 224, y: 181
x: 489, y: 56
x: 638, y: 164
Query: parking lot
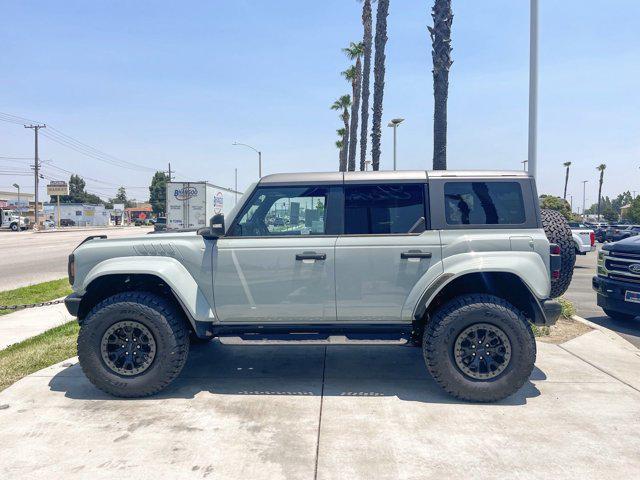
x: 32, y: 257
x: 583, y: 298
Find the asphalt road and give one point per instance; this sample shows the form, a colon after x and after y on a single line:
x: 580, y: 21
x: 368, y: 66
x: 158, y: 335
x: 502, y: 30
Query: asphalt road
x: 584, y: 299
x: 29, y: 257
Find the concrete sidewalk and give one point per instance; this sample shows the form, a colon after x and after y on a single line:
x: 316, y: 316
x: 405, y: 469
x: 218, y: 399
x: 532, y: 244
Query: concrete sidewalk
x: 23, y: 324
x: 336, y: 412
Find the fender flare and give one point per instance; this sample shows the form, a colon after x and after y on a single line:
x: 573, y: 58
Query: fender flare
x: 169, y: 270
x: 527, y: 266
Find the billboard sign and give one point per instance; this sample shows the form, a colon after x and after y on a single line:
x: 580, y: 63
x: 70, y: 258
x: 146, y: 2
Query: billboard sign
x: 57, y: 187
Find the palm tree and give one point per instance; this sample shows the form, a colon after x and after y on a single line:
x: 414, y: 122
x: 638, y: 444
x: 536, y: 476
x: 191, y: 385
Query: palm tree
x: 367, y: 40
x: 354, y: 51
x: 566, y: 179
x: 343, y: 103
x: 441, y: 52
x: 378, y: 81
x: 601, y: 169
x: 339, y: 146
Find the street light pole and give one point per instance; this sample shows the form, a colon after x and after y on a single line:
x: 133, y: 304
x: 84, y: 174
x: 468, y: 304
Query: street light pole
x: 584, y: 190
x: 533, y: 88
x: 394, y: 124
x: 255, y: 150
x: 524, y: 164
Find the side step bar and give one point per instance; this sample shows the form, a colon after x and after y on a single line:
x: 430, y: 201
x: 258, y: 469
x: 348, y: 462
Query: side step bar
x: 397, y: 334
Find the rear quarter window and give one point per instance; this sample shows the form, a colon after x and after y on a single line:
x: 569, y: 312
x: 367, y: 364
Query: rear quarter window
x: 484, y: 203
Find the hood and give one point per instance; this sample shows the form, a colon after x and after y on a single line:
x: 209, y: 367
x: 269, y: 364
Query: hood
x: 628, y: 245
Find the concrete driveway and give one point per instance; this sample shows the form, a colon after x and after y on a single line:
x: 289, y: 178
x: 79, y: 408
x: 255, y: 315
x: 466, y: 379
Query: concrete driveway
x: 307, y: 412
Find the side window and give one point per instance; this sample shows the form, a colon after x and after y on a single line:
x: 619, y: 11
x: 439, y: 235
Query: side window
x: 277, y: 211
x: 380, y: 209
x: 484, y: 203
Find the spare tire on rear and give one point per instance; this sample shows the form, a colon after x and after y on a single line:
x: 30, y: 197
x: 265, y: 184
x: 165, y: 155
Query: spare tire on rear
x: 557, y: 230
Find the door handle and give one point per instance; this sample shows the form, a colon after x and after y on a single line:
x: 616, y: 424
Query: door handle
x: 415, y: 254
x: 311, y: 256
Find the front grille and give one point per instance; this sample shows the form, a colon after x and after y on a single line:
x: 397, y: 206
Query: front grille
x: 621, y: 265
x: 624, y: 255
x: 624, y: 278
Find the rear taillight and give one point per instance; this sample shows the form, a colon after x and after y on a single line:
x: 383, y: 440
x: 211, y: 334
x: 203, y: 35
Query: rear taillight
x: 555, y: 261
x: 592, y: 237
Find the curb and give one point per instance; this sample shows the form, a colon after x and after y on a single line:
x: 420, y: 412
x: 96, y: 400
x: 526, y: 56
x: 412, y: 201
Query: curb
x: 622, y: 342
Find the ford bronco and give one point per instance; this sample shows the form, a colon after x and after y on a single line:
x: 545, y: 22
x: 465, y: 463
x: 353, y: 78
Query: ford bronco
x: 459, y: 263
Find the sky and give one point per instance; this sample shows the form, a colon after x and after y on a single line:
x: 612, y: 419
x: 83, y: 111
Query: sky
x: 152, y: 82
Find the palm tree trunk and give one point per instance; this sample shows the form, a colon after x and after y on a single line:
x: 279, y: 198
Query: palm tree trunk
x: 566, y: 182
x: 600, y: 192
x: 378, y: 81
x: 345, y: 141
x: 441, y: 53
x: 366, y: 72
x: 355, y: 107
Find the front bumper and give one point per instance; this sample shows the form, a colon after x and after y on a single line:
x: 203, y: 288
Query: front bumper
x: 552, y: 311
x: 72, y: 302
x: 611, y: 293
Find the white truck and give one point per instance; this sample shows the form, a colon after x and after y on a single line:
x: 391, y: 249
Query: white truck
x: 190, y: 205
x: 584, y: 238
x: 9, y: 219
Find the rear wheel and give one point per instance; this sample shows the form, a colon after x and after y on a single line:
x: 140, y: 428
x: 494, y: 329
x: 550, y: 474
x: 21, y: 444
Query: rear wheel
x: 133, y: 344
x: 623, y: 317
x: 479, y: 348
x: 558, y: 231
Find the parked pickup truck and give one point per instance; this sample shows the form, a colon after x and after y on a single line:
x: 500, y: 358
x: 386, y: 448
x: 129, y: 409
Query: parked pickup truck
x: 617, y: 282
x: 584, y: 238
x: 459, y: 263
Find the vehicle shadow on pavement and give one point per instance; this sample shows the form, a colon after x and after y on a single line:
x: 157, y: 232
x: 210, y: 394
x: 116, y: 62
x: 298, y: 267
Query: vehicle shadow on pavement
x: 300, y: 370
x: 629, y: 327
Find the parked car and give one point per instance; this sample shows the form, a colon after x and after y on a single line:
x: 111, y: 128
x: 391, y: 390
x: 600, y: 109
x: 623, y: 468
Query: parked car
x: 48, y: 224
x: 620, y: 232
x: 67, y: 222
x: 160, y: 224
x: 617, y: 282
x: 459, y: 263
x: 584, y: 238
x: 601, y: 233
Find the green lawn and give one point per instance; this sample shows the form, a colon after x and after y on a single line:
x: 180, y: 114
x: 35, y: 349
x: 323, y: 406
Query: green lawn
x: 41, y: 292
x: 37, y: 352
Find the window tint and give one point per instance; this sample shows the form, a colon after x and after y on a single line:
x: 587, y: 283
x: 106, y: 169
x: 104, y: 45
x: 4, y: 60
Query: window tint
x: 283, y: 211
x: 484, y: 203
x: 379, y: 209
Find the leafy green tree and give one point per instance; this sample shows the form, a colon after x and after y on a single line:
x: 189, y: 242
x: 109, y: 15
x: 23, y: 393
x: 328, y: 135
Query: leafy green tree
x: 609, y: 214
x: 625, y: 198
x: 440, y: 33
x: 633, y: 213
x: 551, y: 202
x: 158, y: 192
x: 78, y: 193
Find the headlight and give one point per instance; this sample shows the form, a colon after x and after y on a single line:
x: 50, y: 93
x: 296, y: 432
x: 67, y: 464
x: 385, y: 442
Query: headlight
x: 600, y: 257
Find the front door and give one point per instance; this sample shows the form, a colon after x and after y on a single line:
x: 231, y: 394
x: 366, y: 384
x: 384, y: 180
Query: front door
x: 276, y: 264
x: 385, y: 252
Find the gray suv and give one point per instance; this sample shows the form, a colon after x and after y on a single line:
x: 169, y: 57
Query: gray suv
x: 457, y: 263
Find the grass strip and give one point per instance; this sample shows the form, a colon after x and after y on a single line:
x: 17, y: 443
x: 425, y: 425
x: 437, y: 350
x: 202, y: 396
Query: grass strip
x: 41, y: 292
x: 35, y: 353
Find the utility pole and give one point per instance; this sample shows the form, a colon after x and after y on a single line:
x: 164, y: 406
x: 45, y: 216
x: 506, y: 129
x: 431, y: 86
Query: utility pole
x: 524, y: 164
x: 169, y: 172
x: 584, y: 190
x: 36, y: 167
x: 533, y: 88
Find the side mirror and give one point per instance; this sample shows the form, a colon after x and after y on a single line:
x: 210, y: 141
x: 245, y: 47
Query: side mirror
x: 215, y: 228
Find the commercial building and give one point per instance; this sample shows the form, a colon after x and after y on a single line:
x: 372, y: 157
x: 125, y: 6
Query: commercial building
x: 78, y: 214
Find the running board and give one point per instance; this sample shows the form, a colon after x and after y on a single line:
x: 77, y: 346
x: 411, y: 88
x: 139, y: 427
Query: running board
x: 306, y: 340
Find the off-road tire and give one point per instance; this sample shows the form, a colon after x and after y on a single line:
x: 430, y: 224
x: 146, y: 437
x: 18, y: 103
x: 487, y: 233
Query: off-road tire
x: 453, y: 318
x: 558, y: 231
x: 161, y: 317
x: 620, y: 316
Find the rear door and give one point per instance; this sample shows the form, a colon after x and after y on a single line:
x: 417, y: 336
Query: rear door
x: 386, y: 249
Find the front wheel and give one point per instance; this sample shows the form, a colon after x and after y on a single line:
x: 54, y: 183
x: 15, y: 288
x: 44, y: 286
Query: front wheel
x: 133, y: 344
x: 479, y: 348
x: 14, y: 227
